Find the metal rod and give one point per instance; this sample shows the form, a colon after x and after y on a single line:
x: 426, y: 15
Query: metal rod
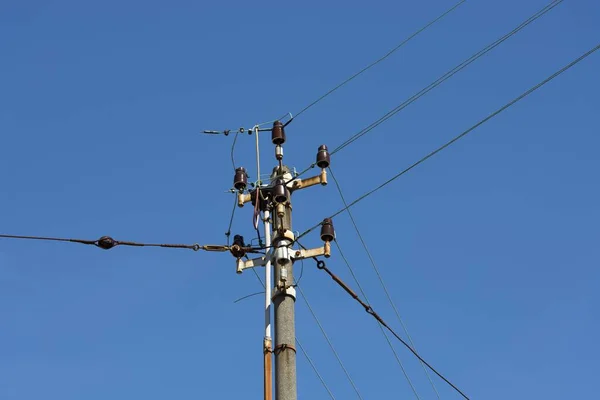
x: 256, y: 130
x: 267, y: 350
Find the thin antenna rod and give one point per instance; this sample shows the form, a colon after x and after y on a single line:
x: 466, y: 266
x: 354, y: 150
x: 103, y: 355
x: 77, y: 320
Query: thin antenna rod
x: 268, y: 341
x: 256, y: 130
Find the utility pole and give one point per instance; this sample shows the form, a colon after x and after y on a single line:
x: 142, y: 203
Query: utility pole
x: 274, y: 201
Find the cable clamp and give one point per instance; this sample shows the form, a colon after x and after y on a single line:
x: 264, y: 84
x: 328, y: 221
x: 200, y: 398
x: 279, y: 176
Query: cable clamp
x: 284, y: 346
x: 288, y: 291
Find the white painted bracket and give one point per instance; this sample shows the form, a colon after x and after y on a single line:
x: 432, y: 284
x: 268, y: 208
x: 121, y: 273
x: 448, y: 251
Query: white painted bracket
x: 310, y: 253
x: 251, y: 263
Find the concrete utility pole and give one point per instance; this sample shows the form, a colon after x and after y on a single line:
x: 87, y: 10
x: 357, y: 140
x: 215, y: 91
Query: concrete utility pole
x: 284, y: 298
x: 274, y: 200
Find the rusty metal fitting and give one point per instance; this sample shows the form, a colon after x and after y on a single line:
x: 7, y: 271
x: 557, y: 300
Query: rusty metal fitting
x: 244, y: 198
x: 283, y: 346
x: 323, y: 177
x: 280, y: 210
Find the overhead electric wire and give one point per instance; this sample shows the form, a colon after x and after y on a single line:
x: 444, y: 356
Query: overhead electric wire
x: 460, y: 136
x: 380, y: 327
x: 313, y: 366
x: 228, y: 233
x: 248, y: 296
x: 369, y: 310
x: 310, y: 361
x: 333, y: 350
x: 446, y: 76
x: 380, y: 59
x: 383, y: 285
x: 106, y: 242
x: 233, y: 151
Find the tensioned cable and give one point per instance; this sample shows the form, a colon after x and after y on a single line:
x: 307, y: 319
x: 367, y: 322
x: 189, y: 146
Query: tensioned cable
x: 315, y: 369
x: 106, y: 242
x: 333, y: 350
x: 313, y: 366
x: 228, y: 233
x: 380, y: 327
x: 233, y: 151
x: 369, y: 310
x: 446, y: 76
x: 440, y: 80
x: 376, y: 269
x: 463, y: 134
x: 382, y: 58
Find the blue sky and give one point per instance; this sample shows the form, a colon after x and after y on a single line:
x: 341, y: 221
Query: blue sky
x: 490, y: 250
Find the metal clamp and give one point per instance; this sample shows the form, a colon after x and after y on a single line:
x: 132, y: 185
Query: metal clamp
x: 288, y: 291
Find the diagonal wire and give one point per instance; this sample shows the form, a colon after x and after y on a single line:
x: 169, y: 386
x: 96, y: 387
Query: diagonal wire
x: 335, y: 353
x: 315, y: 369
x: 228, y: 233
x: 383, y: 285
x: 382, y: 58
x: 460, y: 136
x: 381, y: 327
x: 369, y: 310
x: 233, y: 151
x: 447, y: 75
x: 313, y: 366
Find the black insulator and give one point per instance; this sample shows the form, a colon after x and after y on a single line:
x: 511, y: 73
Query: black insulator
x: 280, y: 192
x: 237, y: 249
x: 240, y: 180
x: 106, y: 243
x: 278, y: 133
x: 323, y: 157
x: 327, y: 231
x: 239, y: 240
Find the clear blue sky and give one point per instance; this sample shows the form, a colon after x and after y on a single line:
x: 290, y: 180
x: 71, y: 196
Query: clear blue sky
x: 490, y: 249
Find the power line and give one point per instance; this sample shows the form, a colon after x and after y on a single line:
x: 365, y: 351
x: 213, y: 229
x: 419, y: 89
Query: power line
x: 233, y: 151
x: 460, y: 136
x: 380, y: 59
x: 446, y: 76
x: 315, y: 369
x: 383, y: 285
x: 228, y: 233
x: 106, y: 242
x: 380, y: 327
x: 335, y: 353
x: 321, y: 265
